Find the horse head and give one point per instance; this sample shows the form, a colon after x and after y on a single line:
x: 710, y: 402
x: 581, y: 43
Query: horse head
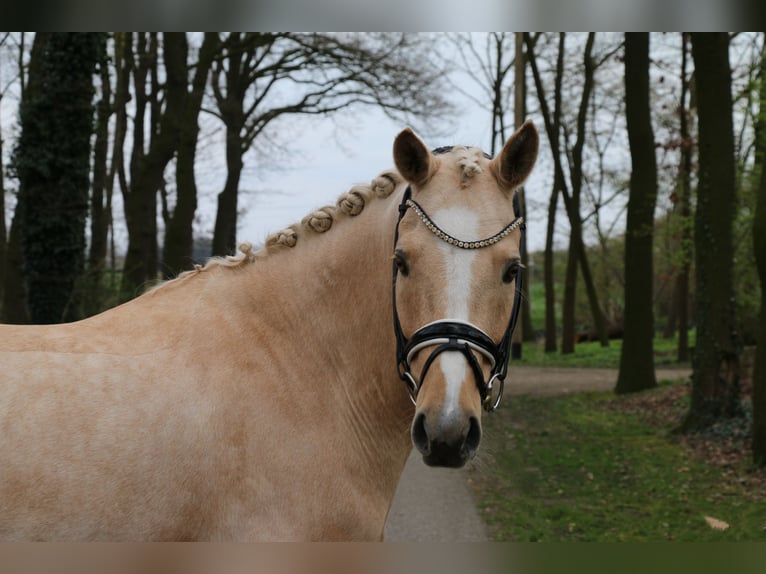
x: 456, y: 285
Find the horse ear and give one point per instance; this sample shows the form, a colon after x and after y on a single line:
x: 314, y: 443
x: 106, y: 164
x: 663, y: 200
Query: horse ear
x: 412, y: 158
x: 518, y: 157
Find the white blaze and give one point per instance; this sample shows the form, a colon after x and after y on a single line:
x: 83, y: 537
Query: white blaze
x: 463, y: 224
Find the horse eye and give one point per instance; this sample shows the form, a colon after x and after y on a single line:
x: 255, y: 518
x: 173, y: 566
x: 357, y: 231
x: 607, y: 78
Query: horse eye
x: 401, y: 263
x: 511, y: 270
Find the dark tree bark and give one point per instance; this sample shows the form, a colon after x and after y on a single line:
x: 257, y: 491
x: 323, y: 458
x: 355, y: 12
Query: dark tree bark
x: 759, y: 368
x: 637, y: 355
x: 52, y: 160
x: 684, y: 208
x: 715, y: 390
x: 526, y: 332
x: 333, y: 72
x: 101, y: 196
x: 3, y: 230
x: 179, y: 240
x: 577, y: 250
x: 759, y: 248
x: 551, y: 336
x: 552, y: 129
x: 15, y: 309
x: 147, y: 167
x: 230, y: 84
x: 520, y: 96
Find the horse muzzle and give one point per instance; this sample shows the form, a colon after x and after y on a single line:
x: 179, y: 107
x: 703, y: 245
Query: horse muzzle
x: 446, y: 441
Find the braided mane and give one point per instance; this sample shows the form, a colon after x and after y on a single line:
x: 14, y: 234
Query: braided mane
x: 321, y: 220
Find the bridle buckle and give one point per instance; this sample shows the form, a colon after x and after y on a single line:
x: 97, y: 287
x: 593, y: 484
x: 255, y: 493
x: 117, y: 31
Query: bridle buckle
x: 412, y: 386
x: 490, y: 404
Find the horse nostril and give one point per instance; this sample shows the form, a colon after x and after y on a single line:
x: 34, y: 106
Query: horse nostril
x: 419, y: 434
x: 473, y: 438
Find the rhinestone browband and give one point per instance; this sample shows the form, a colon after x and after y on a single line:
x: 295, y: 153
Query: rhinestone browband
x: 444, y: 236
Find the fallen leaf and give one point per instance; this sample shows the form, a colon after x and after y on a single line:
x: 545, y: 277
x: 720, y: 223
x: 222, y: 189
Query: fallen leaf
x: 716, y: 524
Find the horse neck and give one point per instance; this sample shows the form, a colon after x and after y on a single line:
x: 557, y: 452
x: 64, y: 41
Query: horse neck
x: 333, y: 298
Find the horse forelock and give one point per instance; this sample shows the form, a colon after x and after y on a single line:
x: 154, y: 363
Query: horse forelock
x: 468, y: 160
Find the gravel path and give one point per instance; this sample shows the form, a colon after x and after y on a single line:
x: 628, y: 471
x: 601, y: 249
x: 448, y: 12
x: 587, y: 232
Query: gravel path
x: 436, y: 505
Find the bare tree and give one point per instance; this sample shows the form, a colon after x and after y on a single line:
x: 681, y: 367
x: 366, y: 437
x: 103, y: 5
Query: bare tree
x: 139, y: 61
x: 684, y: 205
x: 637, y: 355
x: 759, y: 246
x: 715, y: 382
x: 490, y: 62
x: 165, y: 101
x: 3, y: 230
x: 179, y: 241
x: 101, y: 192
x: 52, y: 161
x: 553, y: 130
x: 527, y: 332
x: 262, y: 77
x: 577, y: 254
x: 14, y: 307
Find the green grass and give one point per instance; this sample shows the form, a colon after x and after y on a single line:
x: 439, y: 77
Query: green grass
x: 593, y: 355
x: 579, y: 468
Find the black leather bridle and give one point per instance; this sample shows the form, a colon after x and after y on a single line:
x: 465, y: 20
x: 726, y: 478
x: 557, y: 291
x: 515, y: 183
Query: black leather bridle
x: 451, y: 335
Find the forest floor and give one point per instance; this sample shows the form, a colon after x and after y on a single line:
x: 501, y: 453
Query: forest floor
x: 593, y: 466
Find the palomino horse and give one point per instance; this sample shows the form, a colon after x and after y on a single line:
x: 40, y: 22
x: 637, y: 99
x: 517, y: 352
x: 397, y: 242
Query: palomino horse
x: 257, y: 398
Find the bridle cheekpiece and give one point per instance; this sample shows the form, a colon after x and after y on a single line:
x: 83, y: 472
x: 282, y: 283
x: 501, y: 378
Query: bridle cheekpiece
x: 451, y: 334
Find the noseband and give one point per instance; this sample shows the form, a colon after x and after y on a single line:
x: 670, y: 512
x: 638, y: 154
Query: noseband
x: 453, y: 335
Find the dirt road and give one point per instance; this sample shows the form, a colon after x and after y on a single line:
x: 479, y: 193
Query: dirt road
x: 435, y: 504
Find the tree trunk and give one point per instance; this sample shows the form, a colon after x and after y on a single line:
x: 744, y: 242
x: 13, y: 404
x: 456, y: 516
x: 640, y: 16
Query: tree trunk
x: 147, y: 169
x: 685, y: 210
x: 179, y: 240
x: 552, y: 130
x: 526, y: 331
x: 141, y: 259
x: 52, y: 159
x: 3, y: 230
x: 225, y: 235
x: 551, y: 336
x: 637, y: 355
x: 570, y: 291
x: 231, y: 104
x: 15, y: 309
x: 100, y: 210
x: 759, y: 368
x: 14, y: 303
x: 599, y: 324
x: 577, y: 246
x: 179, y: 237
x: 759, y: 249
x: 715, y: 381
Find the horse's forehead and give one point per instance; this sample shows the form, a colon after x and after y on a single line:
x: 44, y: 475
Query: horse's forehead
x: 464, y: 179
